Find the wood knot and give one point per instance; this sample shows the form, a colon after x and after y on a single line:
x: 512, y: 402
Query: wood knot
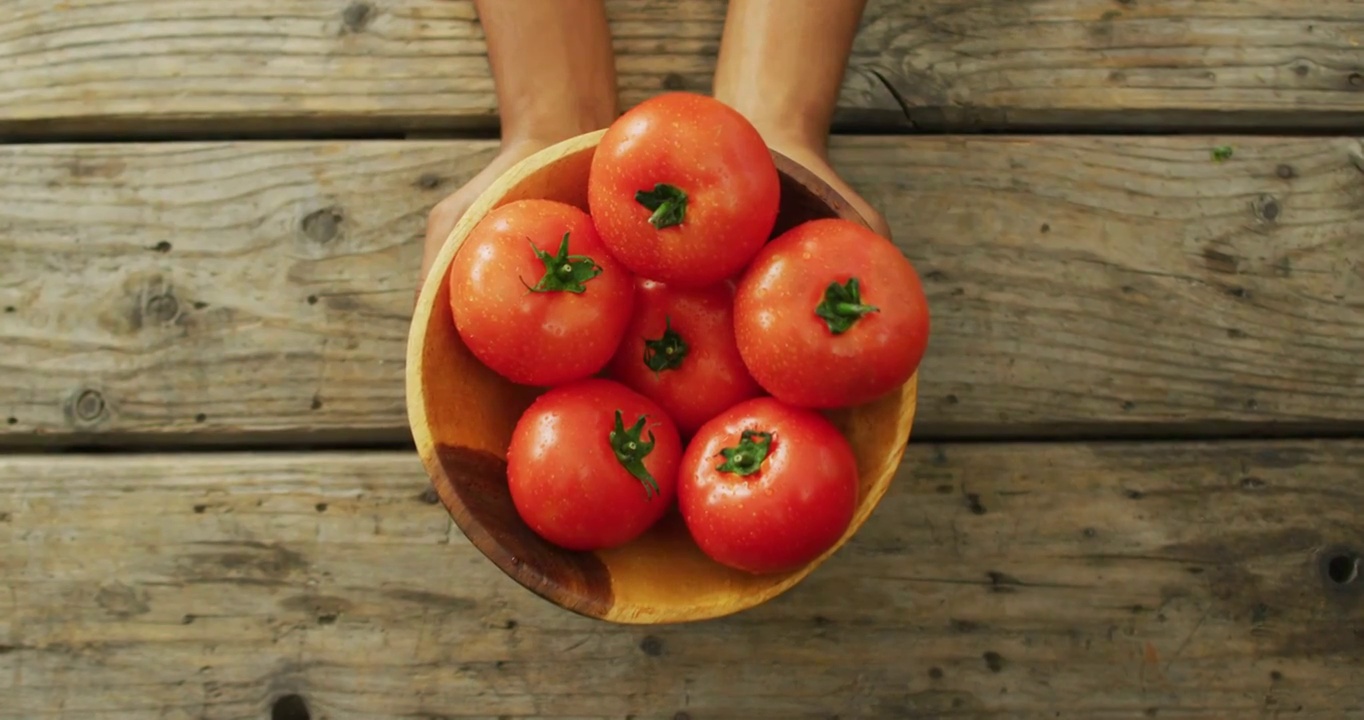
x: 1267, y: 208
x: 290, y: 707
x: 1356, y: 80
x: 428, y: 181
x: 651, y: 646
x: 674, y: 81
x: 163, y: 308
x: 1219, y: 262
x: 965, y: 626
x: 974, y: 505
x: 322, y: 225
x: 1339, y: 567
x: 86, y: 407
x: 357, y: 16
x: 1003, y: 582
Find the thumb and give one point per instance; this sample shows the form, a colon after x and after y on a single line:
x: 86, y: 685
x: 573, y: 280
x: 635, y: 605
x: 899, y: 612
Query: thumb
x: 441, y: 220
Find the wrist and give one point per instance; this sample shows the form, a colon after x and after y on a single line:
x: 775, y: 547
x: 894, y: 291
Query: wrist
x: 556, y: 119
x: 784, y: 126
x: 781, y: 64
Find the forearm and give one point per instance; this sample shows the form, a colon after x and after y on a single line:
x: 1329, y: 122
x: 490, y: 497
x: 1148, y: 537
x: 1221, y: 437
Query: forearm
x: 781, y: 64
x: 553, y: 67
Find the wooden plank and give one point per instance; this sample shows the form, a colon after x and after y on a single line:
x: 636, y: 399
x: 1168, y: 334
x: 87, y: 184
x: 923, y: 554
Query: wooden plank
x: 1123, y: 580
x: 1080, y: 286
x: 156, y: 67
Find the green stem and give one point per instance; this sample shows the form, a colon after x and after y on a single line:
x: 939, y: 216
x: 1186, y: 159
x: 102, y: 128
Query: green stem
x: 747, y: 457
x: 842, y: 306
x: 631, y: 449
x: 563, y: 272
x: 667, y: 352
x: 668, y: 202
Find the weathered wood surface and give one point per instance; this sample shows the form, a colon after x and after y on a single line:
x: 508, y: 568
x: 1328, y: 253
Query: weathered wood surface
x: 1124, y: 580
x: 1094, y: 286
x: 326, y: 66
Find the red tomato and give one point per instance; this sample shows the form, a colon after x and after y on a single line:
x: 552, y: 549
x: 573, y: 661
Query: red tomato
x: 679, y: 351
x: 593, y: 464
x: 536, y: 296
x: 683, y: 190
x: 830, y: 314
x: 766, y: 487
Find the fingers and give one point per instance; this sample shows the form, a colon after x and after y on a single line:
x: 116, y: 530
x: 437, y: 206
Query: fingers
x: 439, y: 222
x: 447, y: 213
x: 875, y: 219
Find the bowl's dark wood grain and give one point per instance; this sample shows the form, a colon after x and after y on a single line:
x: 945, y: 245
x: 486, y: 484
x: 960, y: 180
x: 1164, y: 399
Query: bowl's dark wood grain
x: 462, y: 415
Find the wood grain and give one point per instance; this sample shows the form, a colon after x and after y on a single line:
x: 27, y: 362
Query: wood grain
x: 1124, y: 580
x: 261, y: 292
x: 156, y: 67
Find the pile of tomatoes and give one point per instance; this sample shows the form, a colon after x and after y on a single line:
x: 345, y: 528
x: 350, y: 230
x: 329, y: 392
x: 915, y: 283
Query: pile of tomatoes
x: 686, y: 358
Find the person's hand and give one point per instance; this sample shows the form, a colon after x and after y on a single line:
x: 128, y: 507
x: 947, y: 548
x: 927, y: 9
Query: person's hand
x: 781, y: 65
x: 815, y: 159
x: 555, y: 76
x: 447, y: 212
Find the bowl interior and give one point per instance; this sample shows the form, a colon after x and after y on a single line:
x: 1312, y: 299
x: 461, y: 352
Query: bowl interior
x: 462, y: 415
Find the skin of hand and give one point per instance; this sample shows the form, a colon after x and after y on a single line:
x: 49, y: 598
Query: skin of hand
x: 446, y: 213
x: 555, y: 75
x: 768, y: 71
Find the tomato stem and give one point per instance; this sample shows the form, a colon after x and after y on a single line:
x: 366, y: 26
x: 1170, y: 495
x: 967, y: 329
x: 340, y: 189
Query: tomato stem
x: 668, y: 202
x: 842, y: 306
x: 667, y: 352
x: 631, y: 449
x: 563, y: 272
x: 748, y: 456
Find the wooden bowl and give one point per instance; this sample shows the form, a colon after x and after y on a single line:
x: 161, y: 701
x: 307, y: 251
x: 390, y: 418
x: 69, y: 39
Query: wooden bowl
x: 462, y: 415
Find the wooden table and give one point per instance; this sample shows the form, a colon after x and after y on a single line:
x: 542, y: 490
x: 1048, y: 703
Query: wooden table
x: 1134, y: 486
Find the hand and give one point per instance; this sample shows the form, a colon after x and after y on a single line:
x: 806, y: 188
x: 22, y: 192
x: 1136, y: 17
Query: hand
x: 814, y: 158
x: 555, y: 76
x: 446, y: 213
x: 781, y: 64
